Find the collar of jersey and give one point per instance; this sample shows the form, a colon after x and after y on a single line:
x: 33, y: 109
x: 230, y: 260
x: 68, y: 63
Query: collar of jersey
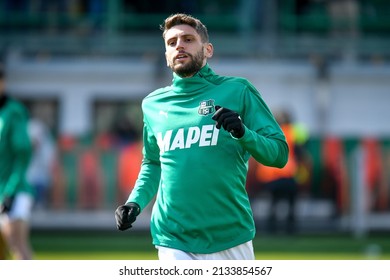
x: 192, y: 84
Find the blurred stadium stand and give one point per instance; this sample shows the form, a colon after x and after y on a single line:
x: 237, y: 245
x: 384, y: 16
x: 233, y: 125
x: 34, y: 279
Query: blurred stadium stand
x: 289, y: 28
x: 82, y: 66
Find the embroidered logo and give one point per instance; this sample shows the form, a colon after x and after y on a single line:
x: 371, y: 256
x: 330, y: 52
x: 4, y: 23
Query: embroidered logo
x: 206, y: 107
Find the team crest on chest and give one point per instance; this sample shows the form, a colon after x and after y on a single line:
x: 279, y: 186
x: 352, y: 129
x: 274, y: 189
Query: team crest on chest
x: 206, y: 107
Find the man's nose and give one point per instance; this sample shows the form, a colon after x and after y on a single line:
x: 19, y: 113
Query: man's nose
x: 179, y: 44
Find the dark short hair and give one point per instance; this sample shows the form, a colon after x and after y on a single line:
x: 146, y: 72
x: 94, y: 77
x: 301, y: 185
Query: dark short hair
x: 177, y: 19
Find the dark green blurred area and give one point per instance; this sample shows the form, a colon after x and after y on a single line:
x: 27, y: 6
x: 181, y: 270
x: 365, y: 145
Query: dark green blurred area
x: 58, y: 26
x: 225, y: 15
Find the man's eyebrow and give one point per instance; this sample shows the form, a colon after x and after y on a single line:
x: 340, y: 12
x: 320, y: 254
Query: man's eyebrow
x: 182, y: 35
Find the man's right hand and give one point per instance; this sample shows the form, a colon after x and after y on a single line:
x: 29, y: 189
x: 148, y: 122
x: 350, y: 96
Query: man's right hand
x: 125, y: 215
x: 6, y: 205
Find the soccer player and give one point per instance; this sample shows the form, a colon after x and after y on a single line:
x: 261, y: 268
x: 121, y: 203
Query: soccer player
x: 16, y: 195
x: 198, y: 135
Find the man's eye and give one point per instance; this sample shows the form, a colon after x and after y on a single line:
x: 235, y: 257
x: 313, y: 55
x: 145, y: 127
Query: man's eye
x: 171, y: 43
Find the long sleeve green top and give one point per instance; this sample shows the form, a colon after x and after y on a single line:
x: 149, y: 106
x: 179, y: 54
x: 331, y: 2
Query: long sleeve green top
x: 197, y: 171
x: 15, y: 148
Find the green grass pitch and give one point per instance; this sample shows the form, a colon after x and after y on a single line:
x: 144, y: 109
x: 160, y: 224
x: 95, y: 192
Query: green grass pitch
x: 100, y: 245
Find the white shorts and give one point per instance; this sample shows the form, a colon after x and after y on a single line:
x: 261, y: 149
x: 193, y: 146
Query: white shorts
x: 241, y: 252
x: 21, y: 207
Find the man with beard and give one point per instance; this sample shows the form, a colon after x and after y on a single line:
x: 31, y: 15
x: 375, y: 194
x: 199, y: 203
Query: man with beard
x: 196, y: 170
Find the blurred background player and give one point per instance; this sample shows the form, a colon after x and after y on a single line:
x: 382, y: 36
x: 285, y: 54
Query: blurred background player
x: 40, y: 171
x: 283, y: 184
x: 16, y: 195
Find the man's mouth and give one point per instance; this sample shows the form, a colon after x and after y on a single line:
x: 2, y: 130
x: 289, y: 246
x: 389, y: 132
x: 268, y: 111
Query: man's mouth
x: 180, y: 57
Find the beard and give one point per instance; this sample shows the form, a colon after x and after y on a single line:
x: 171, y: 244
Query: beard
x: 191, y: 67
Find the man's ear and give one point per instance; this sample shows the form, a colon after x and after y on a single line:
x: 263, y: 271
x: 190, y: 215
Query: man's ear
x: 209, y: 50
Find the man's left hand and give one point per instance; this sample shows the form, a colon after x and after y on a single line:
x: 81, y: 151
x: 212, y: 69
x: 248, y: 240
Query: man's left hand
x: 229, y: 120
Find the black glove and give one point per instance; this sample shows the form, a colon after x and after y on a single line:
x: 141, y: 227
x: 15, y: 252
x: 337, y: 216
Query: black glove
x: 126, y: 214
x: 6, y: 205
x: 229, y: 120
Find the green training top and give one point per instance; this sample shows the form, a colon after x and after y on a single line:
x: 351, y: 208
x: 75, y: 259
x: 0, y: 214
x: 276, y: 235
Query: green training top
x: 15, y: 148
x: 198, y: 171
